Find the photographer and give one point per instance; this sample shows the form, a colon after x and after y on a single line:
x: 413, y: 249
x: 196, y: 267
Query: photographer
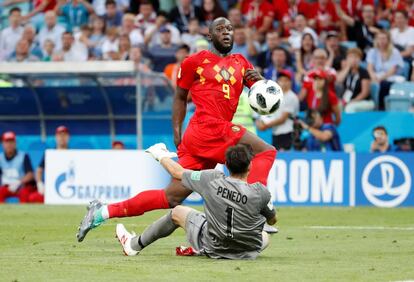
x: 381, y: 143
x: 281, y: 121
x: 323, y: 136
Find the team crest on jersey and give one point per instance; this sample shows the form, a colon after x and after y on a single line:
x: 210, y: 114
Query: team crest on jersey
x: 235, y: 128
x: 225, y: 74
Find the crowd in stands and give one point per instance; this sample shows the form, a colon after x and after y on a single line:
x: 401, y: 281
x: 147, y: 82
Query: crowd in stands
x: 332, y: 52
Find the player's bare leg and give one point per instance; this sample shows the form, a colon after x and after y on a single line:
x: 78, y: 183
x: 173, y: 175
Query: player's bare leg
x: 143, y: 202
x: 262, y: 162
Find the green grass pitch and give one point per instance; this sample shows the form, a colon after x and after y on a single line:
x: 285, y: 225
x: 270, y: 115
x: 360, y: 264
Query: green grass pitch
x: 37, y: 243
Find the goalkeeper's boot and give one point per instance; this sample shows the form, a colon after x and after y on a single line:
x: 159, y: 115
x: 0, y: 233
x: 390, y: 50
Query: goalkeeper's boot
x: 124, y: 237
x: 270, y: 229
x: 92, y: 219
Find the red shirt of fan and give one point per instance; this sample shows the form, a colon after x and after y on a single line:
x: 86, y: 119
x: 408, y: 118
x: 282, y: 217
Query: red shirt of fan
x: 325, y: 17
x: 353, y: 8
x: 50, y: 6
x: 313, y: 102
x: 215, y: 83
x: 255, y: 13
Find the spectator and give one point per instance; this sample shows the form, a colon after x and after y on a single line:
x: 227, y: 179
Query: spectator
x: 286, y: 12
x: 22, y: 53
x: 259, y: 14
x: 146, y: 16
x: 162, y: 54
x: 62, y: 138
x: 171, y: 70
x: 282, y: 120
x: 99, y: 6
x: 134, y: 6
x: 16, y: 173
x: 244, y: 43
x: 29, y: 34
x: 322, y: 136
x: 128, y: 27
x: 384, y: 64
x: 304, y: 56
x: 112, y: 16
x: 51, y: 30
x: 363, y: 32
x: 402, y: 35
x: 319, y: 62
x: 75, y: 12
x: 201, y: 44
x: 11, y: 34
x: 97, y: 37
x: 323, y: 16
x: 353, y: 8
x: 190, y: 38
x: 152, y: 35
x: 300, y: 29
x: 135, y: 55
x: 210, y: 9
x: 182, y: 13
x: 336, y: 52
x: 118, y: 145
x: 279, y: 63
x: 47, y: 50
x: 41, y: 7
x: 264, y: 59
x: 356, y: 83
x: 319, y: 96
x: 380, y: 144
x: 124, y: 48
x: 408, y: 6
x: 110, y: 45
x: 235, y: 17
x: 72, y: 51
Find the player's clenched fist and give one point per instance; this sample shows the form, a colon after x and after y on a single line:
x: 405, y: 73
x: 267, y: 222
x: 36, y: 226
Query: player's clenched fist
x: 160, y: 151
x: 252, y: 75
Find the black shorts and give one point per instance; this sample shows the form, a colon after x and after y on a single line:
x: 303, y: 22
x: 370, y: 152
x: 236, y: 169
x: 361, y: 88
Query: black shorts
x: 283, y: 141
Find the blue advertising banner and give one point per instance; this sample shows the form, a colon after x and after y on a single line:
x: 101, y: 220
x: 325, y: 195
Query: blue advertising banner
x: 384, y: 180
x: 340, y: 179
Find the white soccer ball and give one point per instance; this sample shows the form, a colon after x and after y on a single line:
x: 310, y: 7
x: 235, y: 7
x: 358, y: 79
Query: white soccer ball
x: 265, y: 97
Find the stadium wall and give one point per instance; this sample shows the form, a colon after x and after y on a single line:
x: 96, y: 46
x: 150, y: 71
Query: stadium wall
x: 296, y: 179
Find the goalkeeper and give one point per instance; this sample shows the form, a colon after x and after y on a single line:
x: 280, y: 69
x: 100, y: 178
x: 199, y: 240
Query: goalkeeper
x: 235, y: 211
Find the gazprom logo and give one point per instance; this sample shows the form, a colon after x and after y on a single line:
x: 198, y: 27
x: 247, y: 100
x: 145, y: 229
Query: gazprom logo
x: 67, y: 187
x: 386, y: 181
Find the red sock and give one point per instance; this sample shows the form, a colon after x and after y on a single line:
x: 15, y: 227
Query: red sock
x: 260, y: 167
x: 138, y: 205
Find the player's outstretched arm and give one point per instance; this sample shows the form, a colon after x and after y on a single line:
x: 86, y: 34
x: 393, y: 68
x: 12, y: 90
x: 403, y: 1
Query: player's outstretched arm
x: 173, y: 168
x: 160, y: 152
x: 178, y: 113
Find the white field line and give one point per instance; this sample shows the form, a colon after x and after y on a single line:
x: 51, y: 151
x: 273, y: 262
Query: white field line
x: 361, y: 228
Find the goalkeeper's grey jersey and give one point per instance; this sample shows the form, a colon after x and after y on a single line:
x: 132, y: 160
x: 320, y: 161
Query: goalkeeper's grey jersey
x: 233, y: 211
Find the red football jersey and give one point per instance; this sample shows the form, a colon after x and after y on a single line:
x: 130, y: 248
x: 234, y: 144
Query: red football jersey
x: 215, y: 83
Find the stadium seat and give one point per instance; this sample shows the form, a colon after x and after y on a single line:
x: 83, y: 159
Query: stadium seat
x: 349, y: 44
x: 396, y: 103
x: 12, y: 200
x: 405, y: 89
x: 375, y: 93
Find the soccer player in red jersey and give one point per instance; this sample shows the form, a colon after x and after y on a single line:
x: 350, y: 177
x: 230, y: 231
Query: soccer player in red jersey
x: 215, y: 79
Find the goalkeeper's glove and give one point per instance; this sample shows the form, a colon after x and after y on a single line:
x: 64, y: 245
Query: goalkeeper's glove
x: 160, y: 151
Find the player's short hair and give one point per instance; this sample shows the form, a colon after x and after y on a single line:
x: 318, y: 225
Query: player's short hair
x: 238, y: 158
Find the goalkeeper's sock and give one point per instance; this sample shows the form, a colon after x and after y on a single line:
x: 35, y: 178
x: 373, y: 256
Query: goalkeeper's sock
x: 260, y: 167
x: 161, y: 228
x: 138, y: 205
